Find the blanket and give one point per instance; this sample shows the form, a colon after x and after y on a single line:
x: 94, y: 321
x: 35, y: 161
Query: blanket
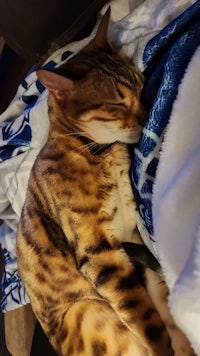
x: 163, y: 39
x: 176, y: 204
x: 166, y: 171
x: 166, y: 162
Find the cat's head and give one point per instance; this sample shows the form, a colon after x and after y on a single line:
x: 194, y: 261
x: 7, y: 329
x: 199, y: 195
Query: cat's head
x: 97, y: 92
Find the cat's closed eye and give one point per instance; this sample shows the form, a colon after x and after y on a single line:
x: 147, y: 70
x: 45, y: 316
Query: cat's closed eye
x: 119, y: 110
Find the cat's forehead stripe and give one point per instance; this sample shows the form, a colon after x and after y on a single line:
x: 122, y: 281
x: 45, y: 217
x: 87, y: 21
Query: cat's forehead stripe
x: 113, y: 66
x: 120, y: 79
x: 119, y: 70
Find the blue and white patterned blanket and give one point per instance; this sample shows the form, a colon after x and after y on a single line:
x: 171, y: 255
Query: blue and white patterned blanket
x: 162, y: 37
x: 165, y: 59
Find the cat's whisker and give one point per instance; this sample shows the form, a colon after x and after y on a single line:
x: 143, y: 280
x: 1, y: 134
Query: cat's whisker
x: 104, y: 146
x: 89, y: 145
x: 77, y: 133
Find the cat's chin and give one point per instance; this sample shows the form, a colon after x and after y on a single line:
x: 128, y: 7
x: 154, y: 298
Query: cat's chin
x: 132, y: 141
x: 131, y: 138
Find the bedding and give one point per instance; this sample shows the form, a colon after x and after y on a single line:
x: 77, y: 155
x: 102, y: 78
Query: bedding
x: 163, y: 38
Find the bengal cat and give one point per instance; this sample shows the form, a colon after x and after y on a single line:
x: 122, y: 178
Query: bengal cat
x: 89, y: 296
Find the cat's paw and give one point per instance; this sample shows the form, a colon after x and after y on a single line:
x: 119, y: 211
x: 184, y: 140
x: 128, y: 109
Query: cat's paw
x: 180, y: 343
x: 91, y: 327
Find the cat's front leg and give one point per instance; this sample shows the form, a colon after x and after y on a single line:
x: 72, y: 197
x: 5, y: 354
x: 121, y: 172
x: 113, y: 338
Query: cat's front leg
x: 75, y: 318
x: 117, y: 280
x: 159, y: 293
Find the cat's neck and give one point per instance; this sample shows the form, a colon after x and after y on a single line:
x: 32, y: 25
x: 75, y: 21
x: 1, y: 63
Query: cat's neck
x: 95, y: 148
x: 58, y: 130
x: 77, y: 142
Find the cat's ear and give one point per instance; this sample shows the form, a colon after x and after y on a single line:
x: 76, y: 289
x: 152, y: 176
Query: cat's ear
x: 55, y: 83
x: 101, y: 37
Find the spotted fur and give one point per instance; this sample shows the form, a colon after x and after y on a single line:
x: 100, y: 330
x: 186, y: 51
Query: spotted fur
x: 90, y: 297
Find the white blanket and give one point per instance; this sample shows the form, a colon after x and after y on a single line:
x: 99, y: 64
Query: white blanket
x: 176, y: 204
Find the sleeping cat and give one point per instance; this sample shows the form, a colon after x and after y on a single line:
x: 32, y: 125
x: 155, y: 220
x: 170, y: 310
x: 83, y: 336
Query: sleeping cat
x: 89, y: 296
